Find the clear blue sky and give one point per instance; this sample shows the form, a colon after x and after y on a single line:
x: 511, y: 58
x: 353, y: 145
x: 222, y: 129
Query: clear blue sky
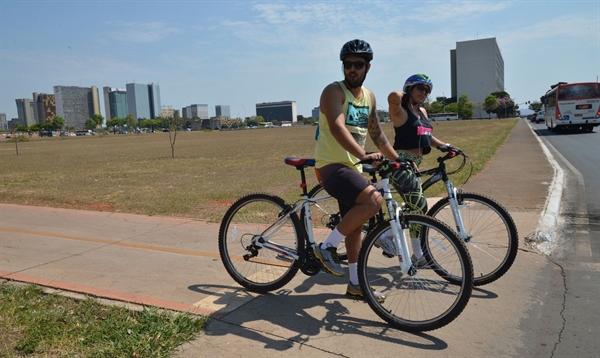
x: 240, y: 53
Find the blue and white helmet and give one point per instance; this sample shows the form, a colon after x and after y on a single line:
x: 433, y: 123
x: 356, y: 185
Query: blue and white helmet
x: 416, y: 79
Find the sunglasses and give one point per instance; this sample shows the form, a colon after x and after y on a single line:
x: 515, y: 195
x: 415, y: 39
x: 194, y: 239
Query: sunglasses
x: 357, y: 64
x: 423, y: 88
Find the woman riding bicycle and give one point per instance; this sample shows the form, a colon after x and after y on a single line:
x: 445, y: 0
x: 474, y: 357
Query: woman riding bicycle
x: 413, y: 139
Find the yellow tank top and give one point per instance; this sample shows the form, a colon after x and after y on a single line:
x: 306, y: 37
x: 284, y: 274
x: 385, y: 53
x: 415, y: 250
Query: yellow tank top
x: 357, y: 111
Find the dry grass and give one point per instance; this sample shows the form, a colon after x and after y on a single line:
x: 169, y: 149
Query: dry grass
x: 135, y: 173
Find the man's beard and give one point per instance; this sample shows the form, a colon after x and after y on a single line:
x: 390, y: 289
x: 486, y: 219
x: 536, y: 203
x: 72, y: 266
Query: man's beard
x: 355, y: 83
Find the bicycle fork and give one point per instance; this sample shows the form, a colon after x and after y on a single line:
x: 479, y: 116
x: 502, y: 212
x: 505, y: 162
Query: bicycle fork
x: 394, y: 210
x: 455, y: 206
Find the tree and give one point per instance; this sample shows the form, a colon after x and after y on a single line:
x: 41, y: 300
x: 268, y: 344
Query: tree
x: 505, y: 108
x: 174, y: 125
x: 452, y: 107
x: 490, y: 105
x: 98, y: 119
x: 130, y: 120
x: 465, y: 107
x: 115, y: 123
x: 535, y: 106
x: 436, y: 107
x: 58, y: 122
x: 90, y: 124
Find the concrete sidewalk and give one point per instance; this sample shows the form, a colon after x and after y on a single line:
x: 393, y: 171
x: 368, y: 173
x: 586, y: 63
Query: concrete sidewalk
x: 174, y: 263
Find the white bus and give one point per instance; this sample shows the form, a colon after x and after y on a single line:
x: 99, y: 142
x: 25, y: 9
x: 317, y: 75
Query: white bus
x: 443, y: 116
x: 573, y: 105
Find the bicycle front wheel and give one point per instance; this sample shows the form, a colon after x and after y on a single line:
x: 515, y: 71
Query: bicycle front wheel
x: 492, y: 241
x: 423, y: 299
x: 260, y: 217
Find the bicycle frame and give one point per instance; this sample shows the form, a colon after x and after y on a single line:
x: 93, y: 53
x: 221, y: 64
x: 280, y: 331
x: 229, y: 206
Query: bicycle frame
x: 394, y: 212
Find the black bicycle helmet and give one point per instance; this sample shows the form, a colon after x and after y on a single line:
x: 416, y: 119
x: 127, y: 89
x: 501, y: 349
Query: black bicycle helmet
x: 357, y: 48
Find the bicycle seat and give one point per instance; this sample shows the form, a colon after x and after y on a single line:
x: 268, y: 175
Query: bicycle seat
x: 300, y: 162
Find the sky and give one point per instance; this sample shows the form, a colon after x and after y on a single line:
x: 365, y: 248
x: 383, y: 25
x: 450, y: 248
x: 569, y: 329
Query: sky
x: 240, y: 53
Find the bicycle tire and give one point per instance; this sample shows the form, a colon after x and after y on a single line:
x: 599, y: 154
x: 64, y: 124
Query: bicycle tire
x: 261, y: 270
x: 425, y: 300
x: 494, y: 240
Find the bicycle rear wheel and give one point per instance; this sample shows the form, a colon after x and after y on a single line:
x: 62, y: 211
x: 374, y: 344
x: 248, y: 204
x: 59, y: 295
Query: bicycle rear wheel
x: 493, y: 240
x: 425, y: 299
x: 256, y: 268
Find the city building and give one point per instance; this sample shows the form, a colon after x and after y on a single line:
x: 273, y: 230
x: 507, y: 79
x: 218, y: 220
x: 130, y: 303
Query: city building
x: 115, y: 103
x: 476, y: 69
x: 222, y: 111
x: 45, y: 107
x: 25, y: 112
x: 315, y: 112
x: 76, y: 104
x: 3, y: 122
x: 280, y: 111
x: 154, y: 94
x: 143, y: 100
x: 167, y: 112
x: 195, y: 111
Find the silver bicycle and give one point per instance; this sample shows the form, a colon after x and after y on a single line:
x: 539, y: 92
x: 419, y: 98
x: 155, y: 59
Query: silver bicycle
x: 263, y: 244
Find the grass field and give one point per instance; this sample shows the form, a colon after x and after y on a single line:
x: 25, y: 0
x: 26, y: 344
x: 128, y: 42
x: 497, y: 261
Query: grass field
x: 135, y: 173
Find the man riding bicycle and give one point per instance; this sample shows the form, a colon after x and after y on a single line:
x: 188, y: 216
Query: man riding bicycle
x: 347, y: 113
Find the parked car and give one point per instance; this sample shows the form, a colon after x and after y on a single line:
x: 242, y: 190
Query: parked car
x: 540, y: 117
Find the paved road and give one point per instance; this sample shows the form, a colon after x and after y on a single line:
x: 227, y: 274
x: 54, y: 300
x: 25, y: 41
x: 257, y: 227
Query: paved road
x: 174, y: 263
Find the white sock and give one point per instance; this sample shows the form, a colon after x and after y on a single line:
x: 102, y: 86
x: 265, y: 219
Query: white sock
x: 353, y: 270
x: 416, y: 246
x: 334, y: 239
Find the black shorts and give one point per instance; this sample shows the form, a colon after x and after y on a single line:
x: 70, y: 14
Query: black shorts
x: 343, y: 183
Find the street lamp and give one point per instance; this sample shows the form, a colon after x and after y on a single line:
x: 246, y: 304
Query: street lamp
x: 244, y: 111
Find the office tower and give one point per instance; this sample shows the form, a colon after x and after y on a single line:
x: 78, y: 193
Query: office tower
x: 154, y: 95
x: 76, y: 104
x: 45, y: 105
x: 3, y: 122
x: 280, y: 111
x: 315, y: 113
x: 115, y: 103
x: 25, y: 112
x: 476, y: 69
x: 138, y: 101
x: 222, y: 111
x: 196, y: 111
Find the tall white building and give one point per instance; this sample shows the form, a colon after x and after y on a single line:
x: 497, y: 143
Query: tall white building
x: 143, y: 100
x: 477, y: 69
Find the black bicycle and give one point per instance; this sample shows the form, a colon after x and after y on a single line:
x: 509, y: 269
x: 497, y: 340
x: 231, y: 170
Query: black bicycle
x: 485, y: 226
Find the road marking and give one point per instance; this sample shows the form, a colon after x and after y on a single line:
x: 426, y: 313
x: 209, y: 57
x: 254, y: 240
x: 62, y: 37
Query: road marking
x: 111, y: 242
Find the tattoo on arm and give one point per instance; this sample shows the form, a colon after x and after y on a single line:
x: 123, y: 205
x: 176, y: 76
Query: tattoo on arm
x: 376, y: 134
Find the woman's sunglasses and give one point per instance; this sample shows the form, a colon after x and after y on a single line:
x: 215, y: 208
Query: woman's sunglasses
x: 423, y: 88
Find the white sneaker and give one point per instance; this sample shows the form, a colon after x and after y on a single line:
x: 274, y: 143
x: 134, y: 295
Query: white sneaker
x: 386, y: 241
